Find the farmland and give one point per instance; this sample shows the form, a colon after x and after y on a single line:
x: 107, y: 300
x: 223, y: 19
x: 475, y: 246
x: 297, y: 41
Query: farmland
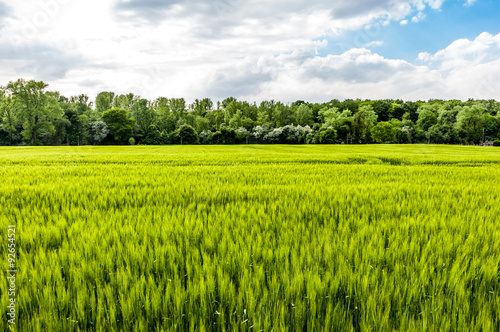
x: 253, y: 237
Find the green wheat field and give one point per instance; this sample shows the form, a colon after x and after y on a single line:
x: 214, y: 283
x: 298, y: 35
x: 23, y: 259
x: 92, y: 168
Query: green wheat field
x: 253, y: 238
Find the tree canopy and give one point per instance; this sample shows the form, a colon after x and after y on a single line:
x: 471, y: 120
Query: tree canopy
x: 30, y: 114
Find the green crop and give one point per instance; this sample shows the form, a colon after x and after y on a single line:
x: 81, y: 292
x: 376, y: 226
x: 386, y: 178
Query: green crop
x: 226, y: 238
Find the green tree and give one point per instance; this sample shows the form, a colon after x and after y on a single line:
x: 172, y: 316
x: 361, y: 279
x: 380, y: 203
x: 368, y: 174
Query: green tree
x: 104, y: 101
x: 225, y: 135
x: 201, y: 107
x: 304, y: 115
x: 340, y: 121
x: 124, y: 101
x: 61, y: 127
x: 38, y: 109
x: 178, y: 107
x: 328, y: 136
x: 426, y: 118
x: 120, y: 125
x: 78, y: 111
x: 470, y: 121
x: 215, y: 119
x: 144, y: 115
x: 242, y: 135
x: 384, y: 133
x: 447, y: 116
x: 491, y: 127
x: 363, y: 121
x: 282, y: 115
x: 329, y: 116
x: 185, y: 134
x: 383, y: 109
x: 265, y: 113
x: 98, y: 130
x: 8, y: 116
x: 201, y: 123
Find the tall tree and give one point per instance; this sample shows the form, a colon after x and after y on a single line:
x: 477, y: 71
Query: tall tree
x: 8, y: 116
x: 384, y: 132
x: 426, y: 117
x: 304, y: 115
x: 383, y: 109
x: 124, y: 101
x: 470, y: 120
x: 104, y: 101
x: 282, y: 114
x: 120, y: 125
x: 201, y: 107
x: 144, y: 116
x: 363, y: 122
x: 38, y: 109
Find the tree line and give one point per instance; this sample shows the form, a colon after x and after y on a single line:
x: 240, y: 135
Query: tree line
x: 32, y: 115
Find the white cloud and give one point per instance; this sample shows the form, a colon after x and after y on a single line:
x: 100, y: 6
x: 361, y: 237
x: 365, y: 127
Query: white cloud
x: 375, y: 43
x: 358, y: 73
x: 404, y: 22
x: 469, y: 2
x: 419, y: 17
x: 252, y: 49
x: 434, y: 4
x: 470, y: 68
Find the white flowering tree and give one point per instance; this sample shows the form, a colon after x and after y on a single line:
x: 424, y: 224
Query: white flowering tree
x: 242, y: 134
x: 99, y: 131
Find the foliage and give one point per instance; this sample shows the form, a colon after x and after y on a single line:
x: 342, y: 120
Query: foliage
x: 304, y: 115
x: 363, y: 122
x: 99, y: 131
x: 104, y: 101
x: 120, y: 125
x: 185, y: 134
x: 242, y: 135
x: 259, y: 132
x: 144, y: 116
x: 384, y: 132
x: 37, y: 108
x: 426, y: 117
x: 328, y: 136
x: 470, y: 119
x: 29, y: 114
x: 225, y: 135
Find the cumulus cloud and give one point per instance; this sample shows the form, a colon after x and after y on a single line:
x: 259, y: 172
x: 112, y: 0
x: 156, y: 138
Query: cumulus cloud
x: 146, y: 10
x: 359, y: 7
x: 253, y: 49
x: 471, y: 68
x: 375, y: 43
x: 276, y: 14
x: 465, y: 69
x: 4, y: 12
x: 38, y: 60
x: 419, y: 17
x: 358, y: 73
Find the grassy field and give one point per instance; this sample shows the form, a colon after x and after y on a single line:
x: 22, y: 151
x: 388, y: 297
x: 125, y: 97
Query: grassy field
x: 334, y: 238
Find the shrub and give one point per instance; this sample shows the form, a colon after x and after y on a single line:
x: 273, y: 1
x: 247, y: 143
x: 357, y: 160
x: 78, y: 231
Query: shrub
x: 384, y: 133
x: 496, y: 142
x: 225, y: 135
x: 185, y: 134
x: 328, y: 136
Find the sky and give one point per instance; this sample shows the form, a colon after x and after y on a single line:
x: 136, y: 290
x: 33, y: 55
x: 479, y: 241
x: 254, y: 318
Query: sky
x: 256, y: 50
